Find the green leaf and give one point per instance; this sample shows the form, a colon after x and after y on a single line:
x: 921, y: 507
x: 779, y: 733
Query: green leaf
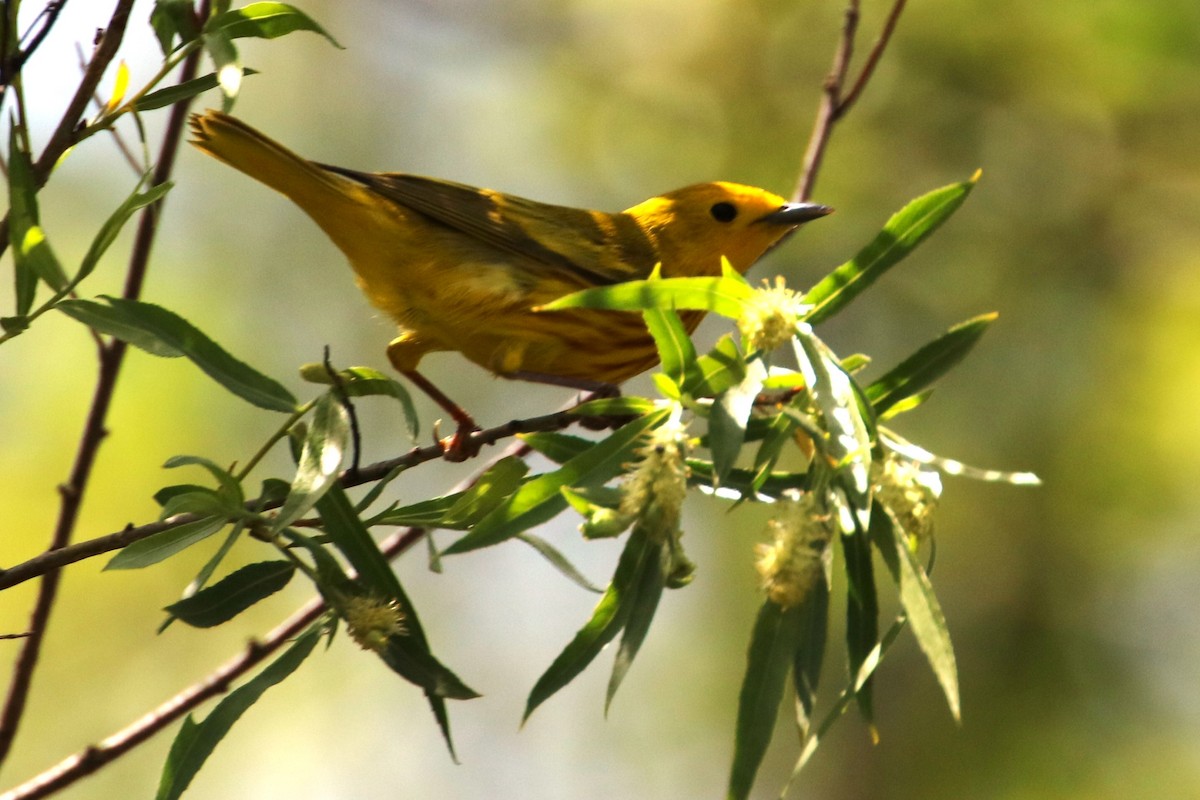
x: 928, y: 364
x: 677, y: 354
x: 607, y: 620
x: 645, y: 590
x: 612, y: 407
x: 180, y: 92
x: 810, y: 651
x: 265, y: 21
x: 366, y: 382
x: 850, y: 435
x: 112, y: 226
x: 921, y: 605
x: 540, y: 499
x: 210, y: 566
x: 724, y: 295
x: 773, y: 646
x: 171, y: 20
x: 320, y: 460
x: 775, y: 438
x: 727, y: 422
x: 32, y: 256
x: 901, y: 234
x: 195, y: 742
x: 233, y: 594
x: 159, y: 546
x: 228, y: 485
x: 862, y: 611
x: 559, y: 561
x: 558, y: 447
x: 408, y: 654
x: 490, y: 490
x: 425, y: 514
x: 201, y: 500
x: 164, y: 333
x: 721, y: 368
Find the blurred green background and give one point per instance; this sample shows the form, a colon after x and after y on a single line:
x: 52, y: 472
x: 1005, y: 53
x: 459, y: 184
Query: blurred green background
x: 1073, y: 606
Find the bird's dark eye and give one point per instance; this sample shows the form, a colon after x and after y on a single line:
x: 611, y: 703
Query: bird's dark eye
x: 723, y: 211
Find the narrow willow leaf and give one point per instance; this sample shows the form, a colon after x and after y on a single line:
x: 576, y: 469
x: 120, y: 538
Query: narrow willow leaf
x: 171, y: 20
x: 164, y: 333
x: 233, y: 594
x: 730, y: 414
x: 32, y: 256
x: 195, y: 742
x: 676, y: 353
x: 613, y: 407
x: 229, y: 486
x: 154, y: 549
x: 210, y: 566
x: 845, y: 699
x: 921, y: 605
x: 490, y: 490
x: 408, y: 654
x: 540, y: 499
x: 901, y: 234
x: 607, y: 620
x: 202, y: 500
x: 862, y: 611
x: 723, y: 295
x: 265, y: 21
x: 558, y: 447
x: 425, y: 514
x: 928, y: 364
x: 366, y: 382
x: 719, y: 369
x: 320, y: 460
x: 182, y: 91
x: 116, y: 222
x: 810, y: 651
x: 772, y: 651
x: 850, y: 435
x: 559, y: 561
x: 777, y: 435
x: 646, y: 590
x: 952, y: 467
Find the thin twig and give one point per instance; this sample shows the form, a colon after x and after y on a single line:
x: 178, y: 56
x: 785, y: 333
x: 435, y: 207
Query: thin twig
x: 92, y: 758
x: 834, y: 101
x: 55, y: 559
x: 64, y: 135
x: 95, y: 428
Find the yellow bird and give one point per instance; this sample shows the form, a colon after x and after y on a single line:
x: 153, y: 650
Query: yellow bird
x: 461, y: 268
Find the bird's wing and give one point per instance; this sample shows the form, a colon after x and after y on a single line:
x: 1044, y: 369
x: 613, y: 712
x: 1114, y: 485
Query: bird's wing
x: 593, y: 246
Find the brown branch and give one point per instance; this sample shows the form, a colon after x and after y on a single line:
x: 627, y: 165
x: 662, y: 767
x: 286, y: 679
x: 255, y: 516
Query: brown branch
x: 835, y: 103
x: 92, y: 758
x: 111, y: 357
x: 64, y: 135
x: 57, y: 558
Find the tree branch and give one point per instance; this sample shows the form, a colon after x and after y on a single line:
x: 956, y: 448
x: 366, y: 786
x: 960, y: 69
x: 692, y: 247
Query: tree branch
x: 92, y: 758
x: 111, y: 357
x: 835, y: 104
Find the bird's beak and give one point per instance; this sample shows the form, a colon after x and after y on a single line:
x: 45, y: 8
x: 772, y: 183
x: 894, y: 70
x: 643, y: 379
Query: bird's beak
x: 796, y: 214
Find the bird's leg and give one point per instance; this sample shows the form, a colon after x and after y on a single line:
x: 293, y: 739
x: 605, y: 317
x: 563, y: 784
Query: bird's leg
x: 458, y: 447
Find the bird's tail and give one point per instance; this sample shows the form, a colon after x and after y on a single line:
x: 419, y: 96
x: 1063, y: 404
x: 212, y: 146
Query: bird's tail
x: 308, y: 185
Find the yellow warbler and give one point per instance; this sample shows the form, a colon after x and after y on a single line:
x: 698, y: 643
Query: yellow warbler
x: 461, y: 268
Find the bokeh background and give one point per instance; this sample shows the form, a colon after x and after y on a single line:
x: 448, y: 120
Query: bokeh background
x: 1073, y: 606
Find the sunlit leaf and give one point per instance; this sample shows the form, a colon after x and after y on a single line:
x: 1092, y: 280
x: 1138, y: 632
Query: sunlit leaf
x: 723, y: 295
x: 928, y: 364
x: 265, y: 21
x: 541, y: 499
x: 320, y: 460
x: 901, y: 234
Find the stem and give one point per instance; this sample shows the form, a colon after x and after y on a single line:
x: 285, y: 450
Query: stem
x: 111, y: 357
x: 92, y: 758
x: 834, y: 102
